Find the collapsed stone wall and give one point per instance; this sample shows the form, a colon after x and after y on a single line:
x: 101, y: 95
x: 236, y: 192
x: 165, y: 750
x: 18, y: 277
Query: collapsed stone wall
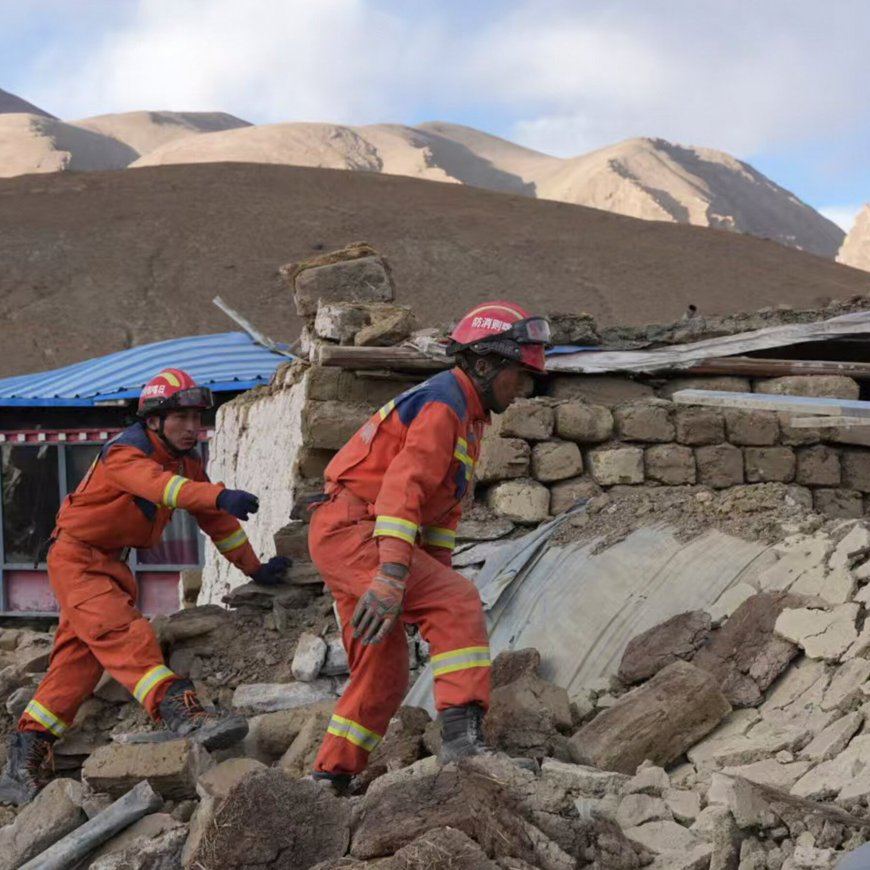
x: 584, y: 436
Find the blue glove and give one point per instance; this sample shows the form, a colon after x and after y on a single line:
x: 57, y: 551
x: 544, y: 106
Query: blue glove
x: 272, y: 572
x: 238, y: 503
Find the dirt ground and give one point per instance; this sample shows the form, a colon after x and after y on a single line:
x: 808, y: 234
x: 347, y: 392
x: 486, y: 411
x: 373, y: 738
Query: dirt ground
x: 92, y: 263
x: 757, y: 512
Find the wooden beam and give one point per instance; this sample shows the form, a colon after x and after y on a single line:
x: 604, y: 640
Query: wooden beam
x: 837, y: 408
x: 776, y: 368
x: 390, y: 358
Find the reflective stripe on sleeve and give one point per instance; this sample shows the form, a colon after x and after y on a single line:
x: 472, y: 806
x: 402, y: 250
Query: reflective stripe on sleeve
x: 437, y: 537
x: 232, y: 542
x: 170, y: 492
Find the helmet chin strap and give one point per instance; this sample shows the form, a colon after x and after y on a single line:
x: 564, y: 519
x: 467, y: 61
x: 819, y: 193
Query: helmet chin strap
x: 169, y: 445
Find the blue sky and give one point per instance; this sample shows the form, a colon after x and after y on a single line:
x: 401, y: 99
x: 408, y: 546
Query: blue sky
x: 778, y: 83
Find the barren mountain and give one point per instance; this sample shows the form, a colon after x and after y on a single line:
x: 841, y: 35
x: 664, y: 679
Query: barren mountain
x: 35, y: 143
x: 93, y: 263
x: 856, y: 249
x: 145, y: 131
x: 9, y: 103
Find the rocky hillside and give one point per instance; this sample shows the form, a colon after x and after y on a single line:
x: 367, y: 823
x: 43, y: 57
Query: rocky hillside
x: 646, y: 178
x: 856, y: 249
x: 93, y: 263
x: 10, y: 103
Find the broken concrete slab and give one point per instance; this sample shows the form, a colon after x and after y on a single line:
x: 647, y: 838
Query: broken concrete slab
x: 657, y: 721
x: 270, y: 697
x: 172, y: 768
x: 844, y: 690
x: 663, y: 836
x: 636, y: 809
x: 769, y: 771
x: 821, y: 634
x: 677, y: 638
x: 298, y: 760
x: 581, y: 779
x: 729, y: 601
x: 830, y: 742
x: 271, y: 734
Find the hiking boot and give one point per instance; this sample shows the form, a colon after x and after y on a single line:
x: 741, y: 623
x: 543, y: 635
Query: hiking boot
x: 462, y: 733
x: 337, y: 783
x: 183, y: 714
x: 28, y: 768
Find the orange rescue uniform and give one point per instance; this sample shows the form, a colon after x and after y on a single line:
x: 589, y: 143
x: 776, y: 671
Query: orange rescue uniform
x: 125, y: 500
x: 395, y: 495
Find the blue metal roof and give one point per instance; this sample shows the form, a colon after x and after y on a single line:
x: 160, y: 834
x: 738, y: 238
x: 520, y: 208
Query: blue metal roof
x: 226, y: 361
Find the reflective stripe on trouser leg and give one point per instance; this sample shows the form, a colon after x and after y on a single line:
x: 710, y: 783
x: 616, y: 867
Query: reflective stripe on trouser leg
x: 46, y: 718
x: 353, y: 732
x: 151, y: 680
x: 460, y: 660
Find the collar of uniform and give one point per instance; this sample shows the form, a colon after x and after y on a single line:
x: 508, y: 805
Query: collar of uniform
x: 475, y: 406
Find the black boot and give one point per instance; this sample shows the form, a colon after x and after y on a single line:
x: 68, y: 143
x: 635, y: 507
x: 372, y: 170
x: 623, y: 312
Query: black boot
x: 461, y: 733
x: 337, y: 783
x: 183, y: 714
x: 28, y: 766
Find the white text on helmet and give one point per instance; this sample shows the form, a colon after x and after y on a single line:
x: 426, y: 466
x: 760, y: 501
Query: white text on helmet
x: 154, y: 390
x: 492, y: 323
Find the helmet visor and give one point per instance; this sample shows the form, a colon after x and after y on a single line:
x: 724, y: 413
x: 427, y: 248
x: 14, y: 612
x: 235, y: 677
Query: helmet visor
x: 532, y: 330
x: 192, y: 397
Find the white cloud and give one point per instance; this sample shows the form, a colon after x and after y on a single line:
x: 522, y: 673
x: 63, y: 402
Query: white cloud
x: 558, y: 75
x: 842, y: 215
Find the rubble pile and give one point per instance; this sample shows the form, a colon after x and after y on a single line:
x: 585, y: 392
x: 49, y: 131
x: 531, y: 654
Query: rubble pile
x: 730, y: 738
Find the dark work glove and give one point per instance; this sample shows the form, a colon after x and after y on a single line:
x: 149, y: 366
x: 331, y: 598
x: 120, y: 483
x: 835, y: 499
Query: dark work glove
x: 381, y: 605
x: 272, y: 573
x: 238, y: 503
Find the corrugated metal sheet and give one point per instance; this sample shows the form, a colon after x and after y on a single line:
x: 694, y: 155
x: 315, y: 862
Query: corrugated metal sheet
x: 226, y: 361
x: 580, y: 608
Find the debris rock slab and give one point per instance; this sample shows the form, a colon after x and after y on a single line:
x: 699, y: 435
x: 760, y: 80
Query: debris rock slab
x: 677, y: 638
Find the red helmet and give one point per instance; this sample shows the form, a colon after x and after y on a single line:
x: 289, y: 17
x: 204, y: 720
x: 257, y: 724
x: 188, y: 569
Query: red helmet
x: 172, y: 390
x: 505, y: 329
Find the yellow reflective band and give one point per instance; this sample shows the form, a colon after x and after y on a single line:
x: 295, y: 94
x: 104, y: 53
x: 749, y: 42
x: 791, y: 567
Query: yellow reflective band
x: 232, y: 542
x: 460, y: 660
x: 437, y: 537
x: 46, y: 718
x: 150, y: 681
x: 171, y: 490
x: 396, y: 527
x: 385, y: 411
x: 353, y: 732
x: 170, y: 377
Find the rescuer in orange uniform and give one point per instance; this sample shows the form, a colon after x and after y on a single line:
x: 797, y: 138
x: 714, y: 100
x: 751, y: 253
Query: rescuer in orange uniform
x: 126, y: 500
x: 383, y: 539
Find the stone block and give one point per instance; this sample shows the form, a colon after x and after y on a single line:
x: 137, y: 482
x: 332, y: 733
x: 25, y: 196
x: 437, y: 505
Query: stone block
x: 503, y: 459
x: 818, y: 466
x: 856, y: 469
x: 616, y: 465
x: 389, y: 325
x: 838, y: 503
x: 292, y: 541
x: 146, y: 852
x: 719, y: 465
x: 671, y: 464
x: 751, y: 428
x: 581, y: 779
x: 830, y: 742
x: 556, y: 460
x: 271, y: 734
x: 607, y: 390
x: 649, y: 420
x: 635, y: 809
x: 721, y: 384
x: 822, y: 634
x: 576, y: 329
x: 658, y: 721
x: 649, y: 779
x: 269, y: 697
x: 697, y: 426
x: 823, y: 386
x: 331, y: 383
x: 360, y: 280
x: 793, y: 436
x: 190, y: 582
x: 763, y: 464
x: 584, y: 423
x: 51, y: 815
x: 684, y: 805
x: 663, y: 837
x: 339, y: 322
x: 509, y: 665
x: 565, y: 494
x: 336, y: 663
x: 172, y: 768
x: 531, y: 419
x: 678, y: 638
x: 521, y: 501
x: 526, y: 715
x: 309, y: 657
x: 401, y: 746
x: 300, y: 755
x: 330, y: 425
